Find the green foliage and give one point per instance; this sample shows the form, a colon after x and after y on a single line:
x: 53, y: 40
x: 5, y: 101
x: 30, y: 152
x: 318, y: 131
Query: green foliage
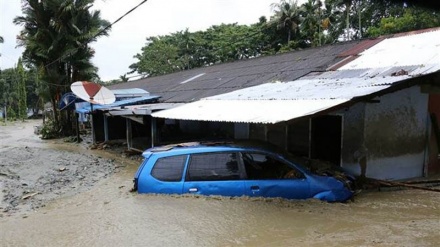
x: 18, y: 90
x: 287, y: 16
x: 184, y: 50
x: 49, y: 130
x: 292, y: 45
x: 21, y: 90
x: 12, y: 116
x: 412, y: 19
x: 160, y: 56
x: 56, y: 35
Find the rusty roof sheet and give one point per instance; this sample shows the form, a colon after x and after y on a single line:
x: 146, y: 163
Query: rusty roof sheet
x: 362, y: 46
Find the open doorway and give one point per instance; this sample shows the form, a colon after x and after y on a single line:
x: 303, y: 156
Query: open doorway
x: 326, y: 138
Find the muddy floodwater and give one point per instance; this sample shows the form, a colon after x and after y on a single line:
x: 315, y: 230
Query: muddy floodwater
x: 105, y: 213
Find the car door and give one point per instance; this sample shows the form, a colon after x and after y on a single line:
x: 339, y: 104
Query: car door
x: 165, y: 175
x: 270, y: 176
x: 215, y: 173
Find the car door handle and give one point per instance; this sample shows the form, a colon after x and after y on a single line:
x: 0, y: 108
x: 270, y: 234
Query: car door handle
x: 255, y: 187
x: 193, y: 189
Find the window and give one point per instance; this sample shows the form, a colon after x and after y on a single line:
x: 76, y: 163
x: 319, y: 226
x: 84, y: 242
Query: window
x: 262, y: 166
x: 213, y: 166
x: 169, y: 168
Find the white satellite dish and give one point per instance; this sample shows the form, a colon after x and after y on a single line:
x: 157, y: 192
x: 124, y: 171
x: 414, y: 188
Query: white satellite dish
x: 93, y: 92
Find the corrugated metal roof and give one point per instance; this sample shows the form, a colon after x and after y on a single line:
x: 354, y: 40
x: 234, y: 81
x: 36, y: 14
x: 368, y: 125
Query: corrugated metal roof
x: 279, y: 101
x: 129, y: 92
x: 247, y: 111
x: 227, y: 77
x: 87, y: 108
x: 388, y: 62
x: 382, y: 72
x: 421, y: 49
x: 362, y: 46
x: 144, y: 109
x: 311, y: 89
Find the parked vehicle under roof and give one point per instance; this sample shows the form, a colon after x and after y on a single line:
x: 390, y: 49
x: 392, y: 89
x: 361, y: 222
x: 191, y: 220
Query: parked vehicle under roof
x: 233, y: 169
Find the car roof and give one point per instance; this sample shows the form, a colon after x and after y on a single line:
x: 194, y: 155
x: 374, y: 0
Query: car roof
x: 210, y: 146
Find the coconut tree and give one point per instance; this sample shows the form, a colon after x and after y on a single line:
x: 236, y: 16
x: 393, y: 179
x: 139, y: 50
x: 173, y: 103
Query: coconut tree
x: 287, y: 16
x: 56, y: 35
x: 311, y: 27
x: 332, y: 20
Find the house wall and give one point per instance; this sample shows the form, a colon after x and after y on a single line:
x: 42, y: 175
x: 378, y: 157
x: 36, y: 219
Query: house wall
x: 206, y: 130
x: 257, y: 131
x: 395, y: 135
x: 353, y: 137
x: 241, y: 131
x: 276, y: 134
x: 298, y: 138
x: 191, y: 127
x: 272, y: 133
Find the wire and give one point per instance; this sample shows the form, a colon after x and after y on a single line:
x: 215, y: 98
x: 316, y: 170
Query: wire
x: 117, y: 20
x: 100, y: 32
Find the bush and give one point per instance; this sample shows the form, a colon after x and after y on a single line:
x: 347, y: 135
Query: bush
x: 49, y: 130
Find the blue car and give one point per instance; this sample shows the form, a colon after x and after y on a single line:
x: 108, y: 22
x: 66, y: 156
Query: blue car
x: 232, y: 169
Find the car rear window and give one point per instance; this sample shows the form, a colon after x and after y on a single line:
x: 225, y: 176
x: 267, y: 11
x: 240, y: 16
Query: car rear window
x: 169, y: 168
x: 213, y: 166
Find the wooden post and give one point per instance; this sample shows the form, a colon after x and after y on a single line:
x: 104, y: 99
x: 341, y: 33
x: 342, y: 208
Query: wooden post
x: 129, y: 134
x: 77, y: 127
x: 153, y: 131
x: 91, y: 123
x: 105, y: 128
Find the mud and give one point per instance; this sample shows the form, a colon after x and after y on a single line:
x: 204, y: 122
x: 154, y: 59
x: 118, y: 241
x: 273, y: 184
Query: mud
x: 102, y: 211
x: 34, y: 172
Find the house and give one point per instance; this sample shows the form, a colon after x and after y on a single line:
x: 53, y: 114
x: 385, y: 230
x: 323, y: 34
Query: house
x: 369, y: 106
x: 192, y: 85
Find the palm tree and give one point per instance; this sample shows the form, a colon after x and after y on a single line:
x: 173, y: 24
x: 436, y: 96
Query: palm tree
x: 332, y: 20
x: 286, y: 16
x: 312, y: 18
x: 56, y: 35
x: 346, y: 6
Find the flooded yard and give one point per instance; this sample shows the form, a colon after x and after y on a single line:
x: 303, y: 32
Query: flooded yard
x: 104, y: 212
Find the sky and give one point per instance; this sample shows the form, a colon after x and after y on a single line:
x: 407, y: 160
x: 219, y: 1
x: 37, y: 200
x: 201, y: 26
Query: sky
x: 115, y: 52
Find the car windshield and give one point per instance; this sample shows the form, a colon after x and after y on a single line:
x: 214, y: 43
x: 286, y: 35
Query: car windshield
x: 301, y: 161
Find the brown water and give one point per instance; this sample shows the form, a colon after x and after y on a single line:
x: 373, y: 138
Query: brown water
x: 109, y: 215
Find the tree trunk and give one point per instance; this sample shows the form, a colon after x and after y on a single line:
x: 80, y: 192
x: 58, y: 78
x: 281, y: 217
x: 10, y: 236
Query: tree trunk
x: 347, y: 20
x: 360, y: 18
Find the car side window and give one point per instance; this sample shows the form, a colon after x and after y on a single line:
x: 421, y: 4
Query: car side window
x: 169, y: 169
x: 262, y: 166
x: 213, y: 167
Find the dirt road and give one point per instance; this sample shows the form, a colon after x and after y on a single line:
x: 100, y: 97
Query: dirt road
x: 34, y: 172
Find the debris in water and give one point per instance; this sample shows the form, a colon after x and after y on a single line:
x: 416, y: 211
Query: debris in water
x: 29, y: 196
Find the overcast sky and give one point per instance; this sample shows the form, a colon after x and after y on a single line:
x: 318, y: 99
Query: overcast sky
x: 155, y: 17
